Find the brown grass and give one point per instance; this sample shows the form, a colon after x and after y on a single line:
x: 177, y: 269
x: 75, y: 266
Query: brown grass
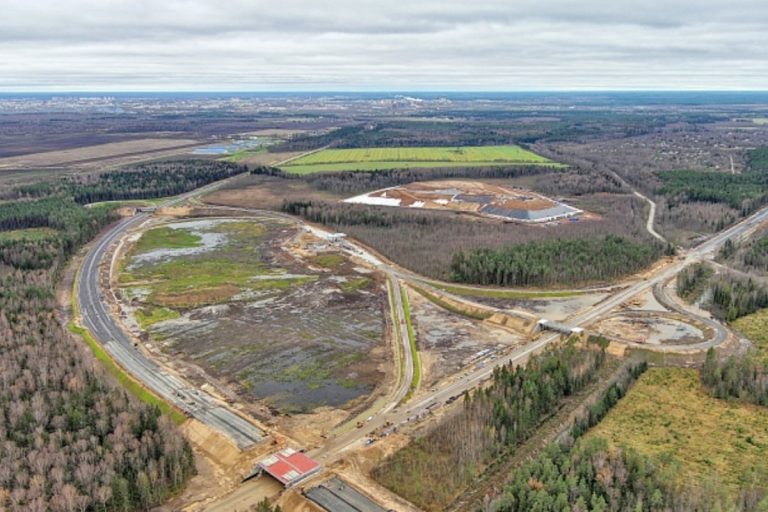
x: 196, y: 297
x: 669, y: 416
x: 265, y: 192
x: 93, y: 153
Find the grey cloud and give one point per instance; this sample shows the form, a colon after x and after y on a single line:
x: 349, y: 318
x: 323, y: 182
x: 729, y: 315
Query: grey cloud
x: 359, y: 44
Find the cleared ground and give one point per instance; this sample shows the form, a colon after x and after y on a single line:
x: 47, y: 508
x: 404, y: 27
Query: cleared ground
x: 372, y: 159
x: 705, y: 441
x: 278, y: 318
x: 654, y: 328
x: 551, y: 306
x: 94, y: 153
x: 449, y: 343
x: 484, y: 199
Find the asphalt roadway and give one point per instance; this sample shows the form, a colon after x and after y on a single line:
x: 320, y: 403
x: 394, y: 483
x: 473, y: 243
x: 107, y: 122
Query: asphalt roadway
x: 97, y: 318
x: 469, y: 380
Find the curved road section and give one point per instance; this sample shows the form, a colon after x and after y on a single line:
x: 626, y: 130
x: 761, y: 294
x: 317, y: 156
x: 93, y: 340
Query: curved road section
x: 97, y: 318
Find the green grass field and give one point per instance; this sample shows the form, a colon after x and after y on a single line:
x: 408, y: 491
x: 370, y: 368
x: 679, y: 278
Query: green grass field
x: 373, y: 159
x: 412, y: 339
x: 669, y: 416
x: 167, y: 238
x: 147, y: 317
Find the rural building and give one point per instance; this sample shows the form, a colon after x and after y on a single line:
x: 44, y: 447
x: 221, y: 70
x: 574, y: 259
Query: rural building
x: 288, y: 466
x: 336, y: 238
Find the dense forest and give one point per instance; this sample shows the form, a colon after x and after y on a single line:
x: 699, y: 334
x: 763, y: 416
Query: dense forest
x: 593, y: 476
x: 750, y: 255
x: 589, y: 475
x: 424, y: 241
x: 693, y: 280
x: 549, y: 262
x: 142, y: 181
x: 70, y: 438
x: 728, y: 295
x: 562, y: 478
x: 734, y: 296
x: 357, y: 182
x: 308, y: 142
x: 744, y: 192
x: 586, y: 477
x: 476, y: 128
x: 432, y: 469
x: 742, y: 377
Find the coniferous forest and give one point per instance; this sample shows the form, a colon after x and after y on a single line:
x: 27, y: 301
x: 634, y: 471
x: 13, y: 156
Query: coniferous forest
x: 548, y: 262
x: 432, y: 469
x: 142, y: 181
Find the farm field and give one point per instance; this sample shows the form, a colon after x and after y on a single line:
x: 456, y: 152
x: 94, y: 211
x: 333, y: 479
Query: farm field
x: 247, y: 303
x: 373, y: 159
x: 99, y: 152
x: 668, y: 415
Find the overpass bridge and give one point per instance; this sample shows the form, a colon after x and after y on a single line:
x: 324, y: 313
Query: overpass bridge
x: 550, y: 325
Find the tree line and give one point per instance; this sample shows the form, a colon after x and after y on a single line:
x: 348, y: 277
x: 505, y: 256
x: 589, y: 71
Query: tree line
x: 358, y: 182
x: 692, y: 280
x: 74, y: 226
x: 548, y: 262
x: 71, y: 439
x: 142, y: 181
x: 561, y: 478
x: 729, y: 295
x: 745, y: 192
x: 751, y: 255
x: 736, y: 296
x: 581, y: 475
x: 587, y: 477
x: 432, y: 469
x: 425, y: 241
x: 596, y: 477
x: 742, y: 378
x: 312, y: 141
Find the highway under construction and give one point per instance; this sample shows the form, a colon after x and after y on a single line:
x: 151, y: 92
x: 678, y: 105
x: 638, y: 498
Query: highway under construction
x: 399, y: 405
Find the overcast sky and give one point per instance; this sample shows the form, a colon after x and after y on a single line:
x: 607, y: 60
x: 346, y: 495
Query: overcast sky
x: 347, y: 45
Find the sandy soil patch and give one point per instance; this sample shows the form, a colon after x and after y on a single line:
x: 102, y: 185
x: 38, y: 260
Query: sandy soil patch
x: 478, y: 197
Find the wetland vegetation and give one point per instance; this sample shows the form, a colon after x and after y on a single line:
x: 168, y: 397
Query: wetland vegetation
x: 238, y: 298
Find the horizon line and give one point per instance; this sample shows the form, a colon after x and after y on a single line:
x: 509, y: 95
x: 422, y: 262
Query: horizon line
x: 374, y: 91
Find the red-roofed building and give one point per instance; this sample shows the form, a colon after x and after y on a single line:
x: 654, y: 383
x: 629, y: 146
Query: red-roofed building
x: 289, y: 466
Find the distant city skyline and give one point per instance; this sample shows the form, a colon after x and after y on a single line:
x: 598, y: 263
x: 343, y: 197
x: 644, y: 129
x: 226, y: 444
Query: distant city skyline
x: 359, y: 45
